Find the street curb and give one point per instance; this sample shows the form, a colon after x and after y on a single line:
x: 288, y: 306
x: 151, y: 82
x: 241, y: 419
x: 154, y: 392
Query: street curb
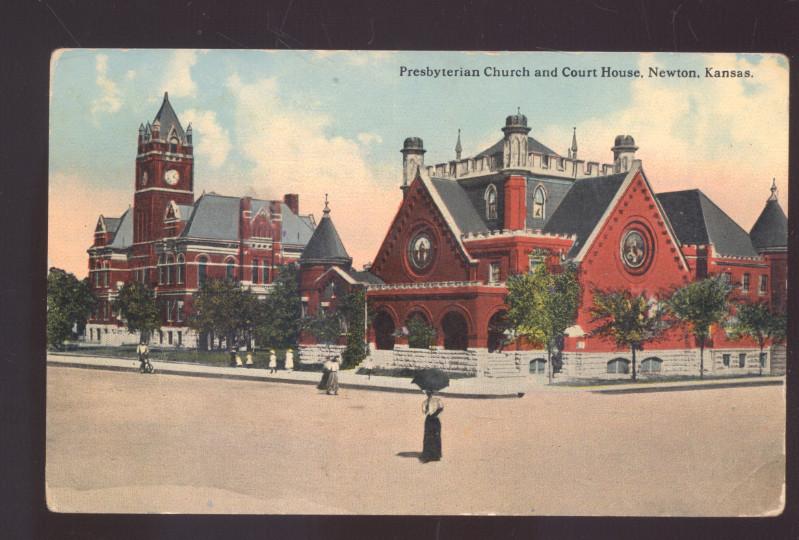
x: 256, y: 378
x: 684, y: 387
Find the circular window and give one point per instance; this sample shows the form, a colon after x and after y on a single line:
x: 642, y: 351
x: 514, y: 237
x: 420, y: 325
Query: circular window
x: 636, y: 250
x: 421, y: 251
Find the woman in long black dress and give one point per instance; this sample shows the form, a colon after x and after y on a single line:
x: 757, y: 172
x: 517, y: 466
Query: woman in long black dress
x: 431, y: 446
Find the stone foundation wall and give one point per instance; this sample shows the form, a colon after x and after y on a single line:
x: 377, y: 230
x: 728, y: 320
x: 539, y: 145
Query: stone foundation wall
x: 317, y: 354
x: 475, y: 362
x: 115, y: 336
x: 777, y: 360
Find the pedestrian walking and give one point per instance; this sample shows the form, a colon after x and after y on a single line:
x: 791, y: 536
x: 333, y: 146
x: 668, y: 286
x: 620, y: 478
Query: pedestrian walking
x: 332, y: 379
x: 289, y: 360
x: 272, y: 361
x: 325, y: 375
x: 240, y: 350
x: 232, y: 353
x: 143, y: 352
x: 431, y: 444
x: 250, y: 353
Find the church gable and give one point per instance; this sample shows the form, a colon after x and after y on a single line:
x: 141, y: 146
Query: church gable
x: 421, y: 244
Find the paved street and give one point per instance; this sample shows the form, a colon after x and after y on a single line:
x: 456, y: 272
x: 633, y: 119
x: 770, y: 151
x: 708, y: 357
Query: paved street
x: 125, y: 442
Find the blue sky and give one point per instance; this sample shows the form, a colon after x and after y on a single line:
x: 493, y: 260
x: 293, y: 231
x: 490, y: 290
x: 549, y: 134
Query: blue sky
x: 269, y: 122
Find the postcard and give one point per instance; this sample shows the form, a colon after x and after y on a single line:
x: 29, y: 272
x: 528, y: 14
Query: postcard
x: 389, y: 282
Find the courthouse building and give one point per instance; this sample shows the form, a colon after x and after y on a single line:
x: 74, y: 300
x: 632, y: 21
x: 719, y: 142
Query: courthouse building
x: 174, y: 242
x: 465, y: 225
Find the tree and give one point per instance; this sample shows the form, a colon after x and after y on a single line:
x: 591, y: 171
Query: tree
x: 325, y: 326
x: 420, y: 334
x: 699, y: 305
x: 224, y: 308
x: 352, y: 309
x: 759, y: 322
x: 542, y: 305
x: 280, y: 317
x: 136, y: 306
x: 69, y: 304
x: 629, y: 320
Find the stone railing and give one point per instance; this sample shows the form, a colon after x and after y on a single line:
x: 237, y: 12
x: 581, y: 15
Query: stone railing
x: 432, y: 285
x: 317, y: 354
x: 507, y: 233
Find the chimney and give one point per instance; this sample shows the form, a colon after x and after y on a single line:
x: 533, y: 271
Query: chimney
x: 245, y: 217
x: 292, y: 200
x: 515, y: 203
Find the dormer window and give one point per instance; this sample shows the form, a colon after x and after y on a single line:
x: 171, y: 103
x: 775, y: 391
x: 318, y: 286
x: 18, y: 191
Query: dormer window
x: 539, y: 203
x: 491, y: 202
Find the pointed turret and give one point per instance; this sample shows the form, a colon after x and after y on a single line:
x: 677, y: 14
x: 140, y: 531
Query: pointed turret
x: 770, y: 231
x: 458, y: 148
x: 573, y: 149
x: 325, y: 246
x: 168, y: 121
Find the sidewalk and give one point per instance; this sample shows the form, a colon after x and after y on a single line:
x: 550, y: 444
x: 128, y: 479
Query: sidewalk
x: 472, y: 387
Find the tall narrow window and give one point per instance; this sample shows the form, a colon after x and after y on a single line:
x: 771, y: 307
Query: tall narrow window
x: 741, y: 360
x: 255, y: 267
x: 181, y: 269
x: 170, y: 263
x: 230, y: 270
x: 763, y: 288
x: 202, y: 263
x: 491, y: 202
x: 179, y: 311
x: 493, y: 273
x: 745, y: 283
x: 106, y: 274
x: 539, y: 203
x: 161, y: 273
x: 264, y: 270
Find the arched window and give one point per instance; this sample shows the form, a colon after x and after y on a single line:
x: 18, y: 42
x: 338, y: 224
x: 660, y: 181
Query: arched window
x: 619, y: 365
x: 539, y: 203
x: 538, y: 366
x: 161, y: 273
x: 491, y: 202
x: 255, y: 277
x: 651, y: 365
x: 173, y: 142
x: 230, y: 270
x: 181, y: 269
x: 202, y: 269
x: 170, y: 262
x: 106, y: 273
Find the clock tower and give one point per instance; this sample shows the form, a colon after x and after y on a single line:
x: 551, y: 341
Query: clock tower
x: 164, y: 172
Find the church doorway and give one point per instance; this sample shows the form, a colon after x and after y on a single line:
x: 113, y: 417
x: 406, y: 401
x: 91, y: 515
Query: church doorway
x: 456, y: 331
x: 384, y: 331
x: 497, y: 327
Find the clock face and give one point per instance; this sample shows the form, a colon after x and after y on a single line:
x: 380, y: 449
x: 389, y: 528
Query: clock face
x: 171, y: 177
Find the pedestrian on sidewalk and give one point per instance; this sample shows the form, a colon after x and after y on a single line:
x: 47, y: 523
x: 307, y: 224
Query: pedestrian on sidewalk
x: 289, y: 360
x: 143, y: 352
x: 250, y: 352
x: 232, y: 353
x: 272, y: 361
x: 325, y: 375
x: 431, y: 445
x: 240, y: 351
x: 332, y: 379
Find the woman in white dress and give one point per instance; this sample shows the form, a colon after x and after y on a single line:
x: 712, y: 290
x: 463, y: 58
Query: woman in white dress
x: 272, y: 361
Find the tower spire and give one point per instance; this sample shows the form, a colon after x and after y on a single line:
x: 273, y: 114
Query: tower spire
x: 326, y: 211
x: 773, y: 196
x: 573, y: 149
x: 458, y: 148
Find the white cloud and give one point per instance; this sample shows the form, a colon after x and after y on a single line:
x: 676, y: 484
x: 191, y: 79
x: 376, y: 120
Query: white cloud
x: 110, y: 100
x: 292, y: 152
x: 177, y: 75
x: 727, y: 137
x: 367, y: 138
x: 130, y: 74
x: 211, y: 140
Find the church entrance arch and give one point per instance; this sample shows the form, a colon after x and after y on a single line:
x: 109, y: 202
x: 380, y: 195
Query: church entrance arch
x: 498, y: 325
x: 384, y: 331
x: 456, y: 331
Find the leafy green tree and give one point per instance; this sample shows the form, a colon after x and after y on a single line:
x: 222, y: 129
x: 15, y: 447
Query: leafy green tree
x: 224, y: 308
x: 759, y: 322
x: 325, y: 326
x: 698, y: 306
x: 136, y: 305
x: 420, y: 334
x: 280, y: 316
x: 69, y: 304
x: 629, y: 320
x: 352, y: 308
x: 542, y: 305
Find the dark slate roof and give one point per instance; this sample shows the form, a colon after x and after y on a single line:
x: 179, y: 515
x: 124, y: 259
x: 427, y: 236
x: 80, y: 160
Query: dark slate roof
x: 697, y: 220
x: 364, y: 276
x: 185, y: 211
x: 111, y: 223
x: 771, y: 228
x: 296, y: 230
x: 215, y: 217
x: 167, y: 117
x: 123, y: 237
x: 583, y: 207
x: 460, y: 206
x: 325, y: 245
x: 555, y: 189
x: 532, y: 146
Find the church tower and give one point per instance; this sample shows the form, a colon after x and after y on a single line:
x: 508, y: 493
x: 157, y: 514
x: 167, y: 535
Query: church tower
x: 769, y: 237
x: 412, y: 160
x: 515, y: 143
x: 164, y: 171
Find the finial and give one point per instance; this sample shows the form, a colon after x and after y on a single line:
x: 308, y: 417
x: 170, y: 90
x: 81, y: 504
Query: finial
x: 458, y: 148
x: 166, y: 96
x: 773, y: 196
x: 327, y: 208
x: 574, y: 143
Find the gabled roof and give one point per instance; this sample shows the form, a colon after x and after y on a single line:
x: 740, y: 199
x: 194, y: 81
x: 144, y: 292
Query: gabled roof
x: 697, y: 220
x: 111, y: 224
x: 296, y: 229
x: 459, y: 206
x: 353, y: 277
x: 770, y: 231
x: 532, y: 146
x: 185, y: 211
x: 215, y: 217
x: 582, y: 208
x: 325, y: 245
x: 167, y: 117
x: 123, y: 233
x: 555, y: 190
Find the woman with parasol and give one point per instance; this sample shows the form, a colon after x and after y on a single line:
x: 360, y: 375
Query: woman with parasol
x: 431, y: 380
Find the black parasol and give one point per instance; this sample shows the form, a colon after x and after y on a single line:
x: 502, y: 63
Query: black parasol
x: 431, y: 379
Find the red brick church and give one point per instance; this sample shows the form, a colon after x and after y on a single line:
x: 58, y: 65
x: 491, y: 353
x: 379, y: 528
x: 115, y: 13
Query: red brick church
x: 464, y: 226
x: 174, y: 242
